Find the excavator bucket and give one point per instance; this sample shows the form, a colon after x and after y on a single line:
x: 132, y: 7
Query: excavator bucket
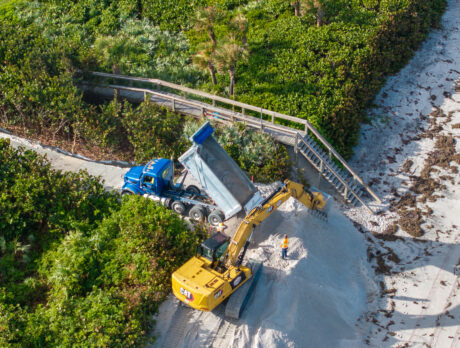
x: 218, y: 174
x: 325, y: 202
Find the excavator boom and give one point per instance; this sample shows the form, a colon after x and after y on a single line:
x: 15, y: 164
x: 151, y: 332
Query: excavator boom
x: 311, y: 200
x: 206, y: 280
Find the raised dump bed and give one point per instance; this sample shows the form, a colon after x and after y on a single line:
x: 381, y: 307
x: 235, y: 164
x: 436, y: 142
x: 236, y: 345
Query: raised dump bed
x: 218, y: 174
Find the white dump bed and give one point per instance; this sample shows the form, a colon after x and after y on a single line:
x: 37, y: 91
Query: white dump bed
x: 221, y: 178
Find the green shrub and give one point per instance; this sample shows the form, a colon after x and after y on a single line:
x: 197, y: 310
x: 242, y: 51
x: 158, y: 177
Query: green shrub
x: 77, y: 266
x: 142, y: 49
x: 154, y: 132
x: 120, y: 273
x: 39, y: 206
x: 171, y: 14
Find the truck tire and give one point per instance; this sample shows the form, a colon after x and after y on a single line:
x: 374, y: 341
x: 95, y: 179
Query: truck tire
x: 197, y: 213
x: 126, y: 193
x: 193, y: 189
x: 178, y: 207
x: 216, y: 217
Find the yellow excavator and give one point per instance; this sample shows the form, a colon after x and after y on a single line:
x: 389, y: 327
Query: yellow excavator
x: 209, y: 278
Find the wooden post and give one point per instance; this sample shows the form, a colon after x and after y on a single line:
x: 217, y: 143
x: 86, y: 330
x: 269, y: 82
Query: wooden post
x: 202, y: 111
x: 261, y: 126
x: 213, y: 102
x: 174, y: 104
x: 273, y: 118
x: 296, y: 149
x: 242, y: 111
x: 145, y: 96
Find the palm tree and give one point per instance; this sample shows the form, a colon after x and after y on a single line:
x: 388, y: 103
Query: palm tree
x: 316, y: 6
x: 296, y: 5
x: 203, y: 59
x: 226, y: 59
x: 116, y: 51
x: 206, y: 18
x: 239, y: 25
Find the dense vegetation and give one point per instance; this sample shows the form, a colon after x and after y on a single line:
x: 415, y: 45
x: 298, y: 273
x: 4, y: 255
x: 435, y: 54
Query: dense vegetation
x: 77, y: 266
x: 318, y: 59
x: 39, y: 93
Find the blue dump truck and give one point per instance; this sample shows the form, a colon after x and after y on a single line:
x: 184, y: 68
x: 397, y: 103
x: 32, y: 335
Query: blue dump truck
x: 225, y: 189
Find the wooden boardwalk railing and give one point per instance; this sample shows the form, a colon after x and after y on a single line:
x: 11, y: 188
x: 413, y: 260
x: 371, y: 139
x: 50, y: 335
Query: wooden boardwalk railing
x: 267, y: 120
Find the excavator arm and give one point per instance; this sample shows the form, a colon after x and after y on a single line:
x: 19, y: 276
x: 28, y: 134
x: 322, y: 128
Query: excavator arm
x: 205, y: 281
x: 240, y: 241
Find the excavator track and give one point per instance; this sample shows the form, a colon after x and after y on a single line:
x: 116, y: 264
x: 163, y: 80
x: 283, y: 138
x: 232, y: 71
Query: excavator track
x: 238, y: 301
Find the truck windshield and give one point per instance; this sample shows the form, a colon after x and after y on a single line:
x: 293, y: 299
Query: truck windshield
x: 148, y: 179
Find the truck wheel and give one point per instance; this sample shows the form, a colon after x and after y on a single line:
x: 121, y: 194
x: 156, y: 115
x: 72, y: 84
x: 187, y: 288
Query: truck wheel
x: 216, y: 217
x: 178, y: 207
x: 126, y: 193
x: 193, y: 189
x: 197, y: 213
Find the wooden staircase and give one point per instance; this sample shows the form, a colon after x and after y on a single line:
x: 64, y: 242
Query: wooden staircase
x: 343, y: 181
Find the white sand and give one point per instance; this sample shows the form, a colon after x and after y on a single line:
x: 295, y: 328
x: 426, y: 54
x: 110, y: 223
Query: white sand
x: 424, y: 311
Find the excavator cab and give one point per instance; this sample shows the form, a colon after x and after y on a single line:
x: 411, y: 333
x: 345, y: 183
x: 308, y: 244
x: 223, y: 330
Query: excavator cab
x: 214, y: 247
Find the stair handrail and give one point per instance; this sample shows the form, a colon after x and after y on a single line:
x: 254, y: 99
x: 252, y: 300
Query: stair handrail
x: 343, y: 162
x: 323, y: 162
x: 229, y: 115
x: 202, y: 94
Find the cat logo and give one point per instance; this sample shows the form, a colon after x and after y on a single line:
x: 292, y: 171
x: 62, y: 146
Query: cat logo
x: 187, y: 294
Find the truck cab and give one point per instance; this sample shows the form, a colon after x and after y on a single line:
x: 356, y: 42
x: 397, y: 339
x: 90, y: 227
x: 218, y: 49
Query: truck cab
x: 152, y: 179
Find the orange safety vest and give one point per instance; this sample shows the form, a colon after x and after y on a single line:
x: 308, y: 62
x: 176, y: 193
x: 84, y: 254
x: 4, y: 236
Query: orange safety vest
x: 284, y: 245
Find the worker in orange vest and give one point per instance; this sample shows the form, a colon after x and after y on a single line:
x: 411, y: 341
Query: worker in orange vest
x: 284, y: 247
